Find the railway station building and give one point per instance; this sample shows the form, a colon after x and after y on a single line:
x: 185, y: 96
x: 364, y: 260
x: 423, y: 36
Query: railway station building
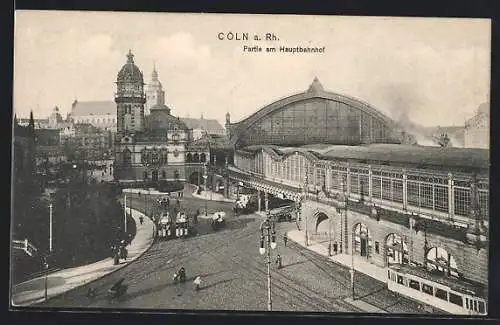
x: 361, y: 184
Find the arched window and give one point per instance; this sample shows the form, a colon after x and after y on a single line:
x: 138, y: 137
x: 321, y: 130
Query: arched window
x: 396, y: 249
x: 145, y: 175
x: 189, y: 157
x: 362, y: 240
x: 163, y: 157
x: 127, y: 158
x: 196, y: 157
x: 203, y: 157
x: 440, y: 261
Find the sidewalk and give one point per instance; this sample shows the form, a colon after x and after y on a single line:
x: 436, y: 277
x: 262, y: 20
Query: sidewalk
x: 32, y: 291
x: 208, y: 195
x: 143, y: 191
x: 360, y: 265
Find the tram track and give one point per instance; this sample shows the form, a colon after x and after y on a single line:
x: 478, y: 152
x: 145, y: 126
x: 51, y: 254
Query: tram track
x: 226, y: 257
x: 373, y: 291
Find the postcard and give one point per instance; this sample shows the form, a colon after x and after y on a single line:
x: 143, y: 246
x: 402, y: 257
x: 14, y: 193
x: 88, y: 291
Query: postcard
x: 244, y: 162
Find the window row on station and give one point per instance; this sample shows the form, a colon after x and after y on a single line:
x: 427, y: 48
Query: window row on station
x: 425, y: 190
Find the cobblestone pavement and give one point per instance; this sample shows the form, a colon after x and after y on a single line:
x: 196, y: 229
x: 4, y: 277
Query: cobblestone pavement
x: 233, y: 273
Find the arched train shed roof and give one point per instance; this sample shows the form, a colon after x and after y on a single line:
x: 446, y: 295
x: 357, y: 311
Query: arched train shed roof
x: 315, y: 90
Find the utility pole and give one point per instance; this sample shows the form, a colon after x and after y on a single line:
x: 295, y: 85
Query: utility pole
x: 44, y: 260
x: 50, y: 227
x: 268, y: 242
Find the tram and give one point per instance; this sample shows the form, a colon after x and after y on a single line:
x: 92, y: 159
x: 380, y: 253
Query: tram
x: 454, y: 296
x: 168, y: 228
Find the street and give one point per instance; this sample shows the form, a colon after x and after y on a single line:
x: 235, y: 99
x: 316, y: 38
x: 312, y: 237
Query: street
x: 233, y: 273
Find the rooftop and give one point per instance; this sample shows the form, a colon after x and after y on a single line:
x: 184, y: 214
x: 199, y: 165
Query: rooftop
x: 394, y: 154
x: 93, y: 108
x: 201, y: 123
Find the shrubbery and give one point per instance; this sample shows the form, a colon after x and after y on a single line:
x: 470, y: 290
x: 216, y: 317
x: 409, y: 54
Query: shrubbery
x: 87, y: 220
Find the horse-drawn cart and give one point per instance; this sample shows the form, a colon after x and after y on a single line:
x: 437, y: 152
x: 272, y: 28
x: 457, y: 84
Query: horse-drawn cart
x: 218, y: 221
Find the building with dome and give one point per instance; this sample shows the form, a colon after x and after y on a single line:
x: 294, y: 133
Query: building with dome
x: 150, y: 147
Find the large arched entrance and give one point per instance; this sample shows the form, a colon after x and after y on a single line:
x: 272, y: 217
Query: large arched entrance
x: 127, y: 158
x: 438, y: 260
x: 322, y: 223
x: 362, y: 241
x: 396, y: 250
x: 195, y: 178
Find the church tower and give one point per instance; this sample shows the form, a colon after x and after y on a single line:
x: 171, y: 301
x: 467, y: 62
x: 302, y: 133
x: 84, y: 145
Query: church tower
x: 130, y: 99
x: 155, y: 95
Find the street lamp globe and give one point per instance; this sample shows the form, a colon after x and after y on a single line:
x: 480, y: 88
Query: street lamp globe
x: 273, y: 245
x: 262, y: 249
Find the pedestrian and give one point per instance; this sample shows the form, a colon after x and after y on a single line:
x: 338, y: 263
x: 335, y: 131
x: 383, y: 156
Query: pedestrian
x: 91, y: 293
x: 285, y: 238
x: 278, y: 261
x: 141, y: 219
x: 197, y: 283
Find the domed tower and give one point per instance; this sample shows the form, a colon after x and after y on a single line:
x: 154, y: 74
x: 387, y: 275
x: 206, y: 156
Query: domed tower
x: 155, y: 95
x: 130, y: 98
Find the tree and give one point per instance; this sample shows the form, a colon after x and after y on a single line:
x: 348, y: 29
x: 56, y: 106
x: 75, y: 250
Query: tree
x: 32, y: 121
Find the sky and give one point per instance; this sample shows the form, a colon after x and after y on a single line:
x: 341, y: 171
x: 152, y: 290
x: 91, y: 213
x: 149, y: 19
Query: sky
x: 432, y: 71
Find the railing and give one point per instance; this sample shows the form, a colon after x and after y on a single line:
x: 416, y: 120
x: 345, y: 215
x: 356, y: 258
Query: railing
x: 437, y: 193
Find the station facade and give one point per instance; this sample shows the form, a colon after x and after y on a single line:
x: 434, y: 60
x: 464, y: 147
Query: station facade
x: 362, y: 185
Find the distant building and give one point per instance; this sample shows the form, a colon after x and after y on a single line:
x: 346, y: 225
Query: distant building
x: 155, y: 95
x: 55, y: 121
x: 477, y: 129
x: 204, y: 126
x: 92, y: 142
x: 101, y: 114
x: 48, y: 147
x: 47, y: 137
x: 24, y: 146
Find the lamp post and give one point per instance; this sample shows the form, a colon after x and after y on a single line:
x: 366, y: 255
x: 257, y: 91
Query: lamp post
x: 205, y: 177
x: 125, y: 213
x: 330, y: 236
x: 352, y: 270
x: 268, y: 242
x: 45, y: 264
